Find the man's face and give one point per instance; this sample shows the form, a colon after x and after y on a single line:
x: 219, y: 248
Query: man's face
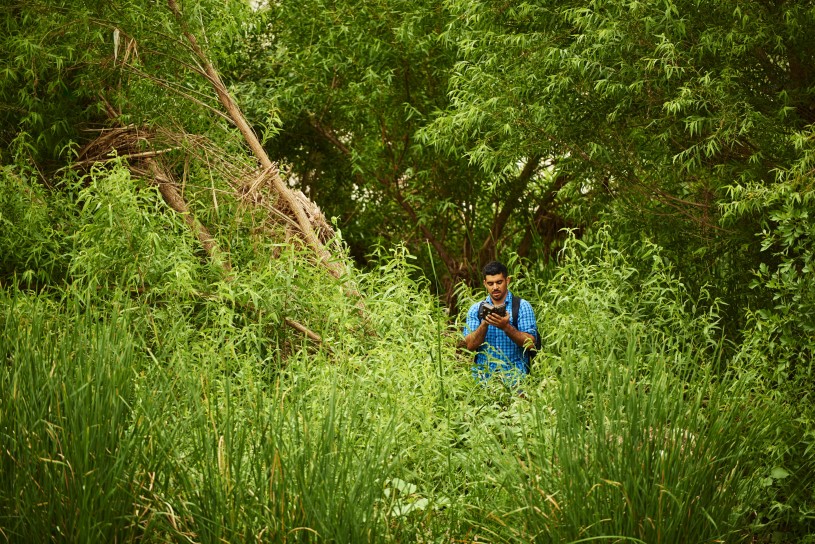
x: 497, y: 286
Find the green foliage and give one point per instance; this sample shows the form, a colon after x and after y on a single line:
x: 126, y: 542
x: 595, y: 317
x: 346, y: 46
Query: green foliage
x: 71, y: 67
x: 644, y: 457
x: 605, y: 296
x: 149, y: 393
x: 126, y: 238
x: 653, y: 109
x: 46, y: 90
x: 781, y: 335
x: 31, y: 222
x: 100, y: 443
x: 226, y: 427
x: 352, y: 87
x: 69, y: 437
x: 632, y: 361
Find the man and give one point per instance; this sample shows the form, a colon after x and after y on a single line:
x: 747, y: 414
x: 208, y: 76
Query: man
x: 499, y: 346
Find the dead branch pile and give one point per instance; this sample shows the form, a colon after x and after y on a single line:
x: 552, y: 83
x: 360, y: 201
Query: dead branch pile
x: 155, y: 156
x: 148, y: 155
x: 258, y: 185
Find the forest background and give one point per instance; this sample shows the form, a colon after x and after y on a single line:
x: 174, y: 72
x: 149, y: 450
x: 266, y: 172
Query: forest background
x: 192, y: 351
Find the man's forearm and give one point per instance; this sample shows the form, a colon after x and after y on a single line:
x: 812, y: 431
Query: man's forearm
x: 473, y: 340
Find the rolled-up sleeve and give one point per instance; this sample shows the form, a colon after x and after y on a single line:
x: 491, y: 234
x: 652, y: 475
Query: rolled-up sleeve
x: 526, y: 319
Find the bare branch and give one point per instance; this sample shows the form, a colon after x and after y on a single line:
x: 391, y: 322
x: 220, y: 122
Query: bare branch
x: 297, y: 326
x: 305, y: 227
x: 172, y: 197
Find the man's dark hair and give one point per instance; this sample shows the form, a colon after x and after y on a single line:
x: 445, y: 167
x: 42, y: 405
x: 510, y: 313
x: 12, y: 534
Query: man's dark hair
x: 493, y: 268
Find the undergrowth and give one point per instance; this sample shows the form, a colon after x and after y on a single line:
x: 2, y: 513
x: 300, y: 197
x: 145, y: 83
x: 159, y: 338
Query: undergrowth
x: 148, y: 394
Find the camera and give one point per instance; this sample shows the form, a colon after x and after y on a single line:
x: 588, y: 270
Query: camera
x: 486, y: 308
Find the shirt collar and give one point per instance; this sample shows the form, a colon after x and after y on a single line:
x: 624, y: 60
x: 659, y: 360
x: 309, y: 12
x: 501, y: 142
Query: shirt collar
x: 507, y: 301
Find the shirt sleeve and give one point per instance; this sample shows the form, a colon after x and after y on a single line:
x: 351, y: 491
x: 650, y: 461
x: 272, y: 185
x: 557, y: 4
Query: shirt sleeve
x: 526, y: 319
x: 472, y: 319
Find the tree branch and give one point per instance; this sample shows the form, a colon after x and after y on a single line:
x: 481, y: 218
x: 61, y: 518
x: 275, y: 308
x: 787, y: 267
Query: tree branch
x: 487, y: 251
x: 453, y: 266
x: 336, y: 267
x: 541, y: 213
x: 173, y: 198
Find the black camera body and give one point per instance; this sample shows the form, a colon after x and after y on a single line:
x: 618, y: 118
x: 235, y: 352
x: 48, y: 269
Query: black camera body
x: 486, y: 308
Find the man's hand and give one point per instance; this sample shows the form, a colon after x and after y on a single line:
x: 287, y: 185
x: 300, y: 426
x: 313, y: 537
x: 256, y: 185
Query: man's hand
x: 500, y: 321
x: 473, y: 340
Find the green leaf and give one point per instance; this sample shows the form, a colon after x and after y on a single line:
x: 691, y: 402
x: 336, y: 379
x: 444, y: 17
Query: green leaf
x: 403, y: 487
x: 779, y: 473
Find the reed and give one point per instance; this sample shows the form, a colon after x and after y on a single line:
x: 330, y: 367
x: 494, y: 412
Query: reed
x: 620, y: 454
x: 70, y: 442
x: 151, y: 399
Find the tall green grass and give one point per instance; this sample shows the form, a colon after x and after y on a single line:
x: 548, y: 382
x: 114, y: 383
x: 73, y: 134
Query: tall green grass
x: 625, y: 453
x: 150, y: 398
x: 99, y: 444
x: 68, y: 437
x: 271, y: 472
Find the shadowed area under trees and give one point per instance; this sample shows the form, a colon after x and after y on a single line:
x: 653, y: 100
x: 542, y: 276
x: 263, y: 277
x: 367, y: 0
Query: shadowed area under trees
x: 236, y: 239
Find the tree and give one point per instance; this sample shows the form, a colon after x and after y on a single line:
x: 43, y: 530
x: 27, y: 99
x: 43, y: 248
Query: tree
x: 143, y: 46
x: 658, y: 110
x: 355, y: 86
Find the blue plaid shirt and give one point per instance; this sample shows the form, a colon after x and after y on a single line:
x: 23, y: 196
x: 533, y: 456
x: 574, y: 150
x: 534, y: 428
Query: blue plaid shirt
x: 499, y: 352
